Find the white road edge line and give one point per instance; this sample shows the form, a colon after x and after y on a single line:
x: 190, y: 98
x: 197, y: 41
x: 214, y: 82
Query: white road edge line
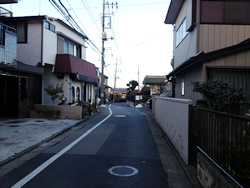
x: 39, y: 169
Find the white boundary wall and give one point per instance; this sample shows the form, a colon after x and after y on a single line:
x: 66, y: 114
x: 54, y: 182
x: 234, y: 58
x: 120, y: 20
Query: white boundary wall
x: 173, y: 116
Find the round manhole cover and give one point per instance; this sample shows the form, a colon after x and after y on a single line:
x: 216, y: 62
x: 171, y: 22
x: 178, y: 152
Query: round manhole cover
x: 123, y: 171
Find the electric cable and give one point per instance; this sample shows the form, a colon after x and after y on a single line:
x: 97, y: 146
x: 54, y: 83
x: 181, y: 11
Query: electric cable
x: 65, y: 13
x: 76, y: 16
x: 91, y: 15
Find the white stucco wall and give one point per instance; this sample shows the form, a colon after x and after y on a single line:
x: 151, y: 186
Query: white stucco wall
x: 188, y: 47
x: 30, y: 52
x: 49, y: 47
x: 173, y: 116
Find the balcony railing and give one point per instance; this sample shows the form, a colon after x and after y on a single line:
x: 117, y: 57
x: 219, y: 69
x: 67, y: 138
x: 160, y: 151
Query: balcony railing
x: 8, y: 45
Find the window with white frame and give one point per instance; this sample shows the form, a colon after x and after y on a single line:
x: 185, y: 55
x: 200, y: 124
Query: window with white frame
x: 181, y: 32
x: 182, y: 87
x: 66, y: 46
x: 71, y: 48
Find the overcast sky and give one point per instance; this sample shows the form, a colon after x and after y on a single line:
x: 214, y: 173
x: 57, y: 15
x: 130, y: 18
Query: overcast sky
x: 141, y: 39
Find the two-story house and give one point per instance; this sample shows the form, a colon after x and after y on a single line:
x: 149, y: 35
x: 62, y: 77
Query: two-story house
x: 154, y: 85
x: 211, y: 42
x: 60, y: 50
x: 20, y: 84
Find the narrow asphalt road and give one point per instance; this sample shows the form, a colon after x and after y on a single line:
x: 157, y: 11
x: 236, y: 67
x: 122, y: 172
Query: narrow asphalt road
x: 116, y: 149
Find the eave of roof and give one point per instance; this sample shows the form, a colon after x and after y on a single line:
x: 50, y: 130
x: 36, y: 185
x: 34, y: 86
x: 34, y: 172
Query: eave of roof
x: 173, y: 11
x: 104, y: 75
x: 106, y: 86
x: 21, y: 67
x: 202, y: 57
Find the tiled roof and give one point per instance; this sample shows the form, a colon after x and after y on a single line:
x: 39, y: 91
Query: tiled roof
x: 66, y: 63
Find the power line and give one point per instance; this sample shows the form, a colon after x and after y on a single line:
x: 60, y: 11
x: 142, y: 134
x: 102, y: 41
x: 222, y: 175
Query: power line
x: 84, y: 28
x: 134, y: 5
x: 108, y: 72
x: 144, y: 4
x: 91, y: 15
x: 65, y: 13
x: 76, y: 15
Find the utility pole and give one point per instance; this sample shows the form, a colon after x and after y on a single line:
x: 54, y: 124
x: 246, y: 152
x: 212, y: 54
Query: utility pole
x: 104, y: 37
x: 138, y: 80
x: 103, y: 49
x: 115, y: 82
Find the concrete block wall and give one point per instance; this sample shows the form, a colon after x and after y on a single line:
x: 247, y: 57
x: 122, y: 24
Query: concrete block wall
x: 173, y: 116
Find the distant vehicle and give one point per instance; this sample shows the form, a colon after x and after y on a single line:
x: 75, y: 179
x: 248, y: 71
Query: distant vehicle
x: 122, y: 100
x: 164, y: 94
x: 149, y: 103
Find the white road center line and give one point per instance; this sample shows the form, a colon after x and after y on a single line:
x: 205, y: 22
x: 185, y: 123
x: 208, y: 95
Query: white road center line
x: 39, y: 169
x: 120, y: 116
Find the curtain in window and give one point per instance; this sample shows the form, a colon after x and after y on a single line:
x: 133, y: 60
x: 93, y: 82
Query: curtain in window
x: 60, y: 45
x: 65, y: 47
x: 78, y: 94
x: 1, y: 35
x: 71, y: 49
x: 21, y: 32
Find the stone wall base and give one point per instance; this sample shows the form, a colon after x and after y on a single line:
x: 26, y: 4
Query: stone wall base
x: 56, y: 112
x: 210, y: 176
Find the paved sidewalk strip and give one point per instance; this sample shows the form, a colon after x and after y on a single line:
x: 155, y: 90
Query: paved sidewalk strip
x: 18, y: 135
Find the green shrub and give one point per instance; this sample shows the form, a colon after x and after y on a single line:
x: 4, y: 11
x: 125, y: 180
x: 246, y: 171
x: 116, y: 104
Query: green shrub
x: 219, y: 95
x: 55, y: 93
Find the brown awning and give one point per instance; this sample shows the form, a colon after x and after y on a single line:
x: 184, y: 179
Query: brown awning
x: 84, y: 70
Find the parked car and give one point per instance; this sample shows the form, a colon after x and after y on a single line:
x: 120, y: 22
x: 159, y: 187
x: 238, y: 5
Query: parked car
x: 149, y: 103
x: 164, y: 94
